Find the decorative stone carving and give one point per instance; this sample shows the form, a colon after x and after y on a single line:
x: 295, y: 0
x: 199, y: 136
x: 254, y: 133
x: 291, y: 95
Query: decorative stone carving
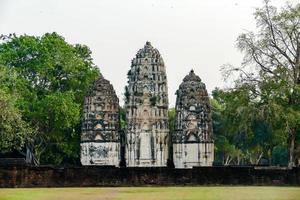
x: 192, y: 140
x: 147, y: 110
x: 100, y: 141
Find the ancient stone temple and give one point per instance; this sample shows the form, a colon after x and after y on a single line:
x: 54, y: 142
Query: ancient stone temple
x: 192, y: 140
x: 147, y: 110
x: 100, y: 141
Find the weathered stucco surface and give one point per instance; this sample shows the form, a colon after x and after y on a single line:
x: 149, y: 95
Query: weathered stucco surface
x: 192, y: 140
x: 146, y: 104
x: 146, y: 141
x: 100, y: 141
x: 100, y: 153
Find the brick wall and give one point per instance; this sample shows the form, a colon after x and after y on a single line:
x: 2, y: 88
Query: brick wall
x: 26, y: 176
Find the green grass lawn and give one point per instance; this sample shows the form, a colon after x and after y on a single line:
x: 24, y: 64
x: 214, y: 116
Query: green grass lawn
x: 154, y: 193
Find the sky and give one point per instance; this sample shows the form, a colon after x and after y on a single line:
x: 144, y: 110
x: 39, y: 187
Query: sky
x: 190, y: 34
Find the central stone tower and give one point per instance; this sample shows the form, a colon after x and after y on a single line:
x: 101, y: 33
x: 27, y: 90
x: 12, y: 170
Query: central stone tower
x: 146, y: 101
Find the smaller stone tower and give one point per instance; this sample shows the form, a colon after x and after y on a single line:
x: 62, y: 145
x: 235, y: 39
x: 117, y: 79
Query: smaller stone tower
x: 192, y: 140
x: 100, y: 141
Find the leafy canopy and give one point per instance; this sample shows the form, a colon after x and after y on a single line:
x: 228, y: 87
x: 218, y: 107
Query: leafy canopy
x: 52, y: 78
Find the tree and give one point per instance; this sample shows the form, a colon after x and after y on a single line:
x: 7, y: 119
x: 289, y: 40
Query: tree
x: 242, y: 135
x: 171, y: 121
x: 52, y: 79
x: 280, y: 155
x: 14, y: 132
x: 271, y: 69
x: 57, y: 114
x: 172, y: 118
x: 122, y: 111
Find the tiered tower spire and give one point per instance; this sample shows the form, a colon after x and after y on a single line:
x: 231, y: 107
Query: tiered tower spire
x: 192, y: 140
x: 146, y: 103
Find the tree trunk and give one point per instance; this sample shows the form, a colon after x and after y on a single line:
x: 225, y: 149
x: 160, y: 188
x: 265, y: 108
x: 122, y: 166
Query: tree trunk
x: 259, y: 158
x: 227, y: 160
x: 292, y: 138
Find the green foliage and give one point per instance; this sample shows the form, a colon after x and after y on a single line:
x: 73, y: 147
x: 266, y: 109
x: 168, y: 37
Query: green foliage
x: 171, y: 122
x: 172, y: 118
x: 242, y: 133
x: 14, y: 132
x: 122, y: 117
x: 226, y: 152
x: 280, y: 155
x: 275, y: 51
x: 264, y: 103
x: 58, y: 111
x: 52, y: 78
